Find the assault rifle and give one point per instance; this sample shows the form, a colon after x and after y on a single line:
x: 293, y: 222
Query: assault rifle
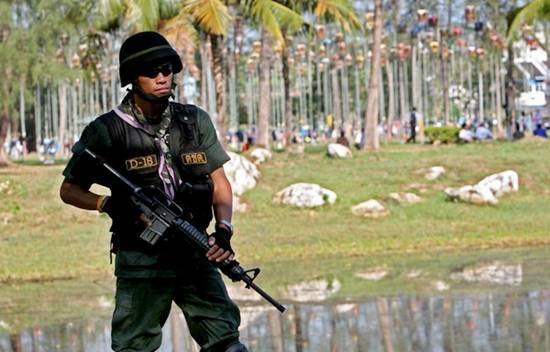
x: 163, y: 214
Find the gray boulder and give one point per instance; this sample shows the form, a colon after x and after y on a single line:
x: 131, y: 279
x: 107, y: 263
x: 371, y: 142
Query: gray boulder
x: 260, y: 155
x: 305, y: 195
x: 487, y: 191
x: 336, y: 150
x: 370, y: 209
x: 404, y: 198
x: 241, y: 172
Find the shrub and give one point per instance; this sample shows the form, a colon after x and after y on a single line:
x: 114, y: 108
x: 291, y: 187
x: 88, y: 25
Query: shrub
x: 446, y: 134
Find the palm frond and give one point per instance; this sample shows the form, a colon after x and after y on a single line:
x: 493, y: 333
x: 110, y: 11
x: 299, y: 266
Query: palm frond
x: 271, y: 15
x: 537, y: 10
x: 212, y: 15
x: 341, y: 10
x: 150, y: 14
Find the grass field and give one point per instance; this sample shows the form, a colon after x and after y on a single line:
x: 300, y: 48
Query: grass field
x: 44, y: 242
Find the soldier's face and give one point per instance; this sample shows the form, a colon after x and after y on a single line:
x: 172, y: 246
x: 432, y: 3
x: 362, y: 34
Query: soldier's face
x: 157, y: 80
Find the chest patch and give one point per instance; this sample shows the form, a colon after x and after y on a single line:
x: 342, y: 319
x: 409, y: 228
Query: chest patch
x: 194, y: 158
x: 141, y: 162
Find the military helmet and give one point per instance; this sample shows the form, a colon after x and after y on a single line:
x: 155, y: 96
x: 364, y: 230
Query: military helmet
x: 142, y: 49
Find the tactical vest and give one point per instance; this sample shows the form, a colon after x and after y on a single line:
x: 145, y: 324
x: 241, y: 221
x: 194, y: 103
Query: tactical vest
x: 135, y: 154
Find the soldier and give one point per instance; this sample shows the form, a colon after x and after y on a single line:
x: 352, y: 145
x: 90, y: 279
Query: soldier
x: 153, y: 141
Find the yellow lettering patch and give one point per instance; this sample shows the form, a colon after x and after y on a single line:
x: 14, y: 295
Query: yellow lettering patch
x: 141, y: 162
x: 194, y: 158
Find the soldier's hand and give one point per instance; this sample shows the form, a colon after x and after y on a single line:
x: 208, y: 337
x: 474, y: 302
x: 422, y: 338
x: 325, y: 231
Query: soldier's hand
x: 220, y: 246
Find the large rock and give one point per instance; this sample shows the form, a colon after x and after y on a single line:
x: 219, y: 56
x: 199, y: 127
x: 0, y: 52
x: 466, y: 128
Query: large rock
x: 241, y: 172
x: 495, y: 273
x: 370, y: 209
x: 487, y: 191
x: 336, y: 150
x: 434, y: 172
x: 260, y: 155
x: 305, y: 195
x: 478, y: 195
x: 404, y: 198
x: 501, y: 183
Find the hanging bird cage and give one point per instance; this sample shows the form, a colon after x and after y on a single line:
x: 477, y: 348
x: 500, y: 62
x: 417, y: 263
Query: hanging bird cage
x: 342, y: 47
x: 360, y: 59
x: 339, y: 36
x: 321, y: 66
x: 257, y: 46
x: 472, y: 51
x: 445, y: 53
x: 433, y: 21
x: 470, y: 13
x: 480, y: 52
x: 278, y: 49
x: 402, y: 28
x: 321, y: 32
x: 348, y: 59
x: 444, y: 32
x: 422, y: 15
x: 335, y: 58
x: 322, y: 50
x: 478, y: 26
x: 255, y: 56
x: 369, y: 18
x: 434, y: 46
x: 251, y: 65
x: 457, y: 31
x: 75, y: 61
x: 461, y: 42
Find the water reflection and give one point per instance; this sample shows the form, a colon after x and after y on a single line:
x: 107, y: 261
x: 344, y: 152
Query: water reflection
x: 483, y: 322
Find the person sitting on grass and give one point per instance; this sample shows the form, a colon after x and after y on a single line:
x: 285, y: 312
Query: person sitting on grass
x: 465, y: 134
x: 483, y: 133
x: 540, y: 131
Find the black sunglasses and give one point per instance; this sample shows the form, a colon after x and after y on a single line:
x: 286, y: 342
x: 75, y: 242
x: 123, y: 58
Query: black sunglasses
x: 153, y: 72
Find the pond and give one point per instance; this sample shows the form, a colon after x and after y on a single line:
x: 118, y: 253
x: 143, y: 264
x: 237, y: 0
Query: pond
x: 488, y: 321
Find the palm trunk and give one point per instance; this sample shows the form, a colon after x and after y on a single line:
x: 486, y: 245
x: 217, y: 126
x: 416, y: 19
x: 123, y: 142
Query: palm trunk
x: 445, y: 83
x: 287, y: 102
x: 37, y: 116
x: 391, y: 97
x: 480, y: 92
x: 22, y: 115
x: 265, y: 94
x: 4, y: 126
x: 371, y: 125
x: 402, y: 98
x: 219, y: 79
x: 205, y: 66
x: 510, y: 102
x: 336, y: 106
x: 498, y: 91
x: 62, y: 117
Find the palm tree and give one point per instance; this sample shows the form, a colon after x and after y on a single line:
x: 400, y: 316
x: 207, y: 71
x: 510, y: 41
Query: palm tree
x: 272, y: 17
x: 371, y: 118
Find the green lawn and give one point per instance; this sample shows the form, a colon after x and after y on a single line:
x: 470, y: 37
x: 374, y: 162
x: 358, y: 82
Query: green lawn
x: 41, y: 239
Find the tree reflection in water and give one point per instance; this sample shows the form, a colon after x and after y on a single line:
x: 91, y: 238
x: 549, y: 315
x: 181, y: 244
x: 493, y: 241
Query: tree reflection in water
x: 515, y: 321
